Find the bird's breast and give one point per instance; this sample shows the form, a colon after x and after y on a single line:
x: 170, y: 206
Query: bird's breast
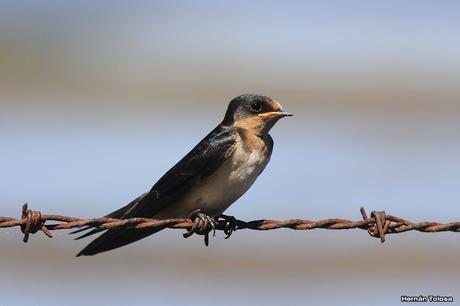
x: 237, y: 174
x: 214, y: 194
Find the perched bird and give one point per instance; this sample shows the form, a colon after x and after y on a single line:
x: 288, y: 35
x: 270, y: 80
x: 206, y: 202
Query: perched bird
x: 218, y: 171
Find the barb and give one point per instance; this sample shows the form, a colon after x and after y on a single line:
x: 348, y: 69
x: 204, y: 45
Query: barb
x: 377, y: 225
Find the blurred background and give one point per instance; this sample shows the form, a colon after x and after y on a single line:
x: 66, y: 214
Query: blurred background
x: 99, y: 98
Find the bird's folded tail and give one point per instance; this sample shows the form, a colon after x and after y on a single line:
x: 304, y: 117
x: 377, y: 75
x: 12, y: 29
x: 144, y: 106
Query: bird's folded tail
x: 118, y: 214
x: 116, y: 238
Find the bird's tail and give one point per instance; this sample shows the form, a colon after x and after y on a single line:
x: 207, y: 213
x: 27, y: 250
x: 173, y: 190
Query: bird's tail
x: 118, y: 214
x: 116, y: 238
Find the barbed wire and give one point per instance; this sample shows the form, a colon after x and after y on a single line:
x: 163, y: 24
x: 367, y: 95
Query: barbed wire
x: 377, y: 224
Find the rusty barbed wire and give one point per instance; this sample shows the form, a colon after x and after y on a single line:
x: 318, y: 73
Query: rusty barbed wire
x: 378, y: 224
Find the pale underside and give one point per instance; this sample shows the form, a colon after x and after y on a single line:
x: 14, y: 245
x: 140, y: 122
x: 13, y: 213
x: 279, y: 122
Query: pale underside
x: 218, y: 191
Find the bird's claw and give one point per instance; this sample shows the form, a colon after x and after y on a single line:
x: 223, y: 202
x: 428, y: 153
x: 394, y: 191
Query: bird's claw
x: 208, y: 221
x: 231, y: 224
x: 202, y: 225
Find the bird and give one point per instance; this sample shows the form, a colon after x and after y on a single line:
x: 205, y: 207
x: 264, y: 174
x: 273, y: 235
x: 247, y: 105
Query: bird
x: 211, y: 177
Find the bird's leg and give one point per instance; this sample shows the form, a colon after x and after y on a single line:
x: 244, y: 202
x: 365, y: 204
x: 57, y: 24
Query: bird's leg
x: 201, y: 224
x: 231, y: 224
x: 202, y: 219
x: 207, y: 221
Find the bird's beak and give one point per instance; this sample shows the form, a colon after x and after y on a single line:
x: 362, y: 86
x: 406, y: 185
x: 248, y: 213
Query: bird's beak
x: 277, y: 114
x: 285, y: 114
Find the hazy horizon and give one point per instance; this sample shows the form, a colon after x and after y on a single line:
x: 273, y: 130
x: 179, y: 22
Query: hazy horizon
x: 98, y: 100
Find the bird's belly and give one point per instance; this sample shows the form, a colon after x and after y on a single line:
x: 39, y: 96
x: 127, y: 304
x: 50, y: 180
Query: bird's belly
x: 217, y: 192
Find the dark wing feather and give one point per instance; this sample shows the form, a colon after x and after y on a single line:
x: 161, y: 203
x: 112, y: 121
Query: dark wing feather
x: 118, y: 214
x: 201, y: 162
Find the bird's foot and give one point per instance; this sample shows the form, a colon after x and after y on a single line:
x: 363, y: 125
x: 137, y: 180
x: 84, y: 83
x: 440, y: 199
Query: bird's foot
x: 231, y: 224
x: 202, y: 225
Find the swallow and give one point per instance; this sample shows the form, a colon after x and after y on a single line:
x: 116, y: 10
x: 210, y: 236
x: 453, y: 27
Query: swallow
x: 211, y: 177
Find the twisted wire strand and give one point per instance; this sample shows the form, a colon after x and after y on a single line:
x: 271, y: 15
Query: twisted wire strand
x: 378, y: 224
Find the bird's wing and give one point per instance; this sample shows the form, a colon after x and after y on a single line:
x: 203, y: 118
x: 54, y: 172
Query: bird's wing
x: 200, y: 163
x: 203, y: 160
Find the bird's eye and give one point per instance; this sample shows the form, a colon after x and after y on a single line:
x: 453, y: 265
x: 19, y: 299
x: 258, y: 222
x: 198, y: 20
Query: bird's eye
x: 256, y: 107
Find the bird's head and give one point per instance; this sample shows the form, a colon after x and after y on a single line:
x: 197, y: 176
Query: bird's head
x: 254, y: 112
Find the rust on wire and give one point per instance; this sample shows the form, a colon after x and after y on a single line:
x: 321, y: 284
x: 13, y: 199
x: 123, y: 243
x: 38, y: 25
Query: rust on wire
x: 378, y: 224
